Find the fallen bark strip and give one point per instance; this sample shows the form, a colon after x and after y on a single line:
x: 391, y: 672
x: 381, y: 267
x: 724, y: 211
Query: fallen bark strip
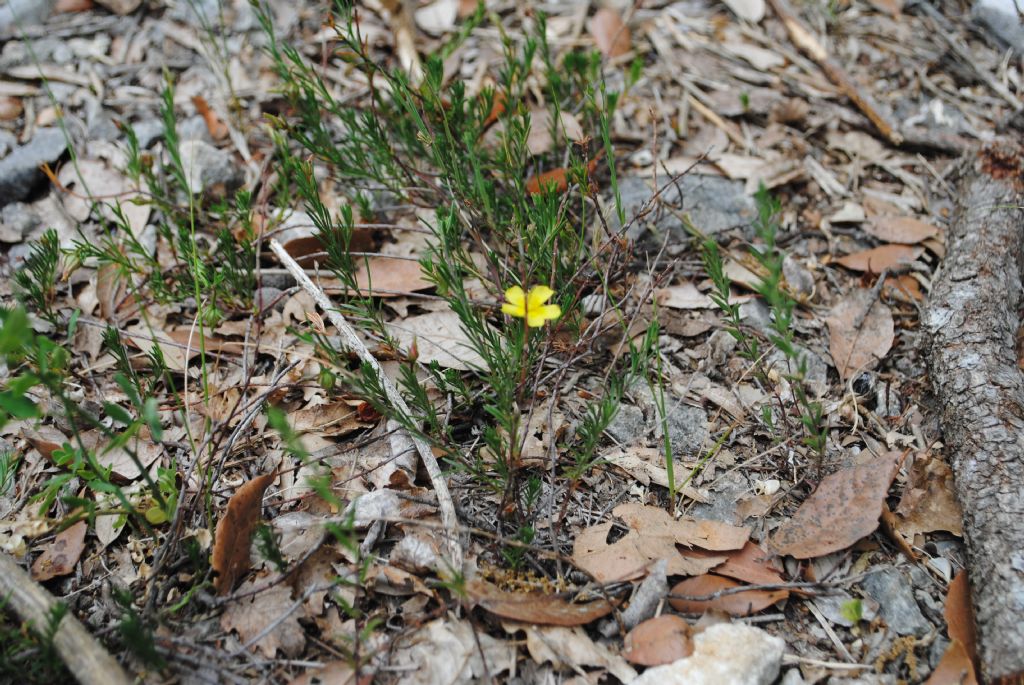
x: 972, y: 316
x: 85, y: 658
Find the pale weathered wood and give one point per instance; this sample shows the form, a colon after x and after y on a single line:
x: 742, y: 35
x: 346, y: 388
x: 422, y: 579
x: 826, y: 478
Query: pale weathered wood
x: 85, y: 658
x: 972, y: 316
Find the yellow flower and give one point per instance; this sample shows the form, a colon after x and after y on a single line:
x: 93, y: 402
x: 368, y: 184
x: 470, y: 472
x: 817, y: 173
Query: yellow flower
x: 531, y: 306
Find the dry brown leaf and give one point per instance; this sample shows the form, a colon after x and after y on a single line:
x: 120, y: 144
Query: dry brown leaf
x: 559, y: 178
x: 738, y: 604
x: 929, y: 503
x: 68, y: 6
x: 691, y: 532
x: 630, y: 557
x: 46, y: 439
x: 571, y: 647
x: 653, y: 535
x: 752, y: 564
x: 610, y: 35
x: 878, y: 259
x: 234, y: 533
x: 390, y: 277
x: 659, y: 640
x: 959, y: 614
x: 904, y: 288
x: 861, y: 332
x: 955, y: 668
x: 844, y: 509
x: 437, y: 336
x: 61, y: 555
x: 900, y: 229
x: 333, y: 419
x: 528, y: 607
x: 251, y: 615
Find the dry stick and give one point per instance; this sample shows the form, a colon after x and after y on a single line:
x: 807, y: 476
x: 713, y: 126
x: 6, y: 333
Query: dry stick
x: 445, y: 505
x: 85, y: 658
x: 806, y: 41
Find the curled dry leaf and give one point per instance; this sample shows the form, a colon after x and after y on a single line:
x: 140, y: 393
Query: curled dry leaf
x: 559, y: 178
x: 659, y: 640
x: 878, y: 259
x: 929, y: 503
x: 900, y: 229
x: 954, y: 667
x: 234, y: 532
x: 535, y: 607
x: 737, y: 604
x: 845, y: 507
x: 959, y: 614
x: 438, y: 336
x: 217, y: 128
x: 610, y: 34
x: 861, y: 333
x: 60, y: 557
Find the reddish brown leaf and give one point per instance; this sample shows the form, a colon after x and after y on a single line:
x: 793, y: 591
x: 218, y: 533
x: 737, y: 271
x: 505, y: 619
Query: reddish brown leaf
x: 217, y: 128
x: 660, y: 640
x: 738, y: 604
x: 68, y: 6
x: 10, y: 108
x: 878, y: 259
x: 959, y: 615
x: 904, y: 288
x: 234, y: 532
x: 752, y: 564
x: 861, y: 332
x: 60, y: 557
x: 955, y: 668
x: 692, y: 532
x: 900, y: 229
x: 843, y: 509
x: 497, y: 108
x: 535, y: 607
x: 610, y: 35
x: 556, y: 177
x: 47, y: 439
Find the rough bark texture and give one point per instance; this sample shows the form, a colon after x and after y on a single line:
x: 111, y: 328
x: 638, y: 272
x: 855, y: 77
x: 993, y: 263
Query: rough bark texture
x: 973, y: 318
x: 85, y: 658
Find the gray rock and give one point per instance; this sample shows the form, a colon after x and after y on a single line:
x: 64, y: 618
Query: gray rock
x: 16, y: 221
x: 21, y: 14
x: 816, y: 372
x: 207, y: 166
x: 831, y: 607
x: 893, y: 591
x: 687, y: 429
x: 1001, y: 17
x: 628, y: 426
x: 19, y: 171
x: 7, y: 142
x: 148, y: 131
x: 713, y: 203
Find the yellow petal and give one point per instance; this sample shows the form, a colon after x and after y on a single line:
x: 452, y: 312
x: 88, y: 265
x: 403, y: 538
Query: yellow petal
x: 538, y: 316
x: 515, y: 304
x: 539, y: 294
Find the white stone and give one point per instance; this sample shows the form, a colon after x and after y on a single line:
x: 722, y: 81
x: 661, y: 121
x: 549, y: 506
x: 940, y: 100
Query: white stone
x: 724, y: 654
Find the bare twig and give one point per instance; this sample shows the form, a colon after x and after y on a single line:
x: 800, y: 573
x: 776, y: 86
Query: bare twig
x: 445, y: 505
x: 85, y: 658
